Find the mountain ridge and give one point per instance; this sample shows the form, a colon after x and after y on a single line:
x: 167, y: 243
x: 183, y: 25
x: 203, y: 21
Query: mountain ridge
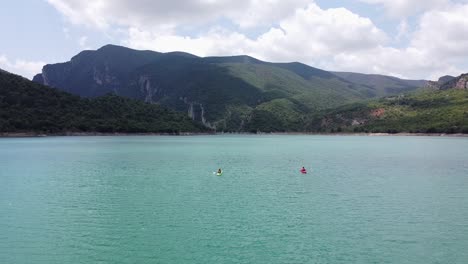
x: 225, y: 93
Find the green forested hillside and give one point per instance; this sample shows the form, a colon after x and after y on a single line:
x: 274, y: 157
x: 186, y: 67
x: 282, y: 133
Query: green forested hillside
x: 277, y: 82
x: 244, y: 94
x: 441, y: 111
x: 30, y: 107
x: 234, y: 93
x: 381, y: 85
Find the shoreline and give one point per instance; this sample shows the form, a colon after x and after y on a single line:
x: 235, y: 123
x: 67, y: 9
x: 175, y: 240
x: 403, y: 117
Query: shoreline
x: 93, y: 134
x: 89, y: 134
x: 402, y: 134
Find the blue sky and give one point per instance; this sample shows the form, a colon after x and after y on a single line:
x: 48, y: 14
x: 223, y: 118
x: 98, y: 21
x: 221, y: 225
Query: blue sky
x: 412, y: 39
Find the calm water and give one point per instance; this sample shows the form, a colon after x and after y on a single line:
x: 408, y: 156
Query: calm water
x: 156, y: 200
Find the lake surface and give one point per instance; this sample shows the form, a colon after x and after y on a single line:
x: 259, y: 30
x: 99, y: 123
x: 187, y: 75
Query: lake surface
x: 155, y: 199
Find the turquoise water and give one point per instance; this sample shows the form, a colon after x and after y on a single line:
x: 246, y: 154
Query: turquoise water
x: 156, y: 200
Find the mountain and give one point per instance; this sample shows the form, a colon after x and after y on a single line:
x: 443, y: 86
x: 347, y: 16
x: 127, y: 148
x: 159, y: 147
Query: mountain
x: 444, y: 110
x: 235, y: 93
x: 381, y: 84
x: 26, y: 106
x: 445, y: 79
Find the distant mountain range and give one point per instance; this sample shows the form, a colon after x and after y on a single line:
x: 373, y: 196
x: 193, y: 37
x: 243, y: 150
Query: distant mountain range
x: 28, y: 107
x: 237, y: 93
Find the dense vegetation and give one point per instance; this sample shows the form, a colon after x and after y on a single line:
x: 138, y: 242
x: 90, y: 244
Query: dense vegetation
x: 30, y: 107
x: 232, y: 94
x: 420, y: 112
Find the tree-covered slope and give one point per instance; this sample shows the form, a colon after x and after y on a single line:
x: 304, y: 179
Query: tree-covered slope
x: 30, y: 107
x: 381, y: 85
x: 440, y: 111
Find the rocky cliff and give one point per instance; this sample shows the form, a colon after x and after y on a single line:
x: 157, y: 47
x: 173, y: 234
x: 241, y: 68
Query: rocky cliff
x: 450, y: 82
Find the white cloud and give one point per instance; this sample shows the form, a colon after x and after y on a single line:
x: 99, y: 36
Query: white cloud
x: 313, y: 33
x: 298, y: 30
x: 22, y: 67
x: 265, y: 12
x: 438, y: 46
x: 404, y: 8
x: 403, y: 30
x: 216, y: 42
x: 81, y: 12
x: 405, y: 63
x: 444, y: 33
x: 309, y: 33
x: 338, y: 39
x: 149, y: 14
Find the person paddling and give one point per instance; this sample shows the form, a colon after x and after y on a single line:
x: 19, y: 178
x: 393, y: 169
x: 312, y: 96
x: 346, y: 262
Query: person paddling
x: 219, y: 171
x: 303, y: 170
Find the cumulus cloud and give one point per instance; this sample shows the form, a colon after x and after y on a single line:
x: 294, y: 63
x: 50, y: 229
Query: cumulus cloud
x: 265, y: 12
x: 308, y: 33
x: 217, y: 41
x: 403, y: 8
x: 444, y: 33
x: 81, y: 12
x: 169, y: 14
x: 22, y: 67
x: 314, y: 33
x: 297, y: 30
x: 437, y: 47
x: 403, y: 30
x: 404, y: 63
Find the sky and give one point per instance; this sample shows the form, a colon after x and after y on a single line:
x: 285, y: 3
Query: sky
x: 414, y: 39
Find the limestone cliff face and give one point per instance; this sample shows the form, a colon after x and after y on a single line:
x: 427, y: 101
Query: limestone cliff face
x: 94, y: 73
x: 450, y: 82
x: 53, y: 75
x: 196, y: 111
x: 462, y: 82
x: 442, y: 80
x: 104, y: 76
x: 446, y: 78
x: 147, y: 89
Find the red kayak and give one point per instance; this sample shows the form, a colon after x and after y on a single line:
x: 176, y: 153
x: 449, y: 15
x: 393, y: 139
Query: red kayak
x: 303, y: 171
